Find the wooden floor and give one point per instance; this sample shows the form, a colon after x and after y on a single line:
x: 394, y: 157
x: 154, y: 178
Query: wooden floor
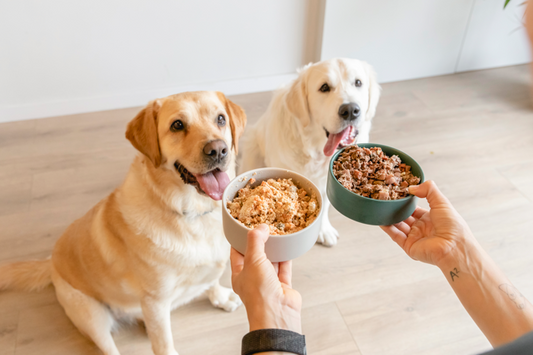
x: 472, y: 134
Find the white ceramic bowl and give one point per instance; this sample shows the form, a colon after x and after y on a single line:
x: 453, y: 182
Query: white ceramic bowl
x: 278, y: 247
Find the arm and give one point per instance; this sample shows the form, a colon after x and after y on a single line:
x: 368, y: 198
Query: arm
x: 265, y: 288
x: 497, y: 307
x: 441, y: 237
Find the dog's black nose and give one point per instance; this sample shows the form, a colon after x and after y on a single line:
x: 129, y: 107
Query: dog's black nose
x: 349, y: 111
x: 216, y: 150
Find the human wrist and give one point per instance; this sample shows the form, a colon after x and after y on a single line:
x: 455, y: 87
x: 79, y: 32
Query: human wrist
x: 462, y: 246
x: 467, y: 257
x: 274, y: 317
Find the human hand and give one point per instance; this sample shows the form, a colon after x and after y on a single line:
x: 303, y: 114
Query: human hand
x: 265, y: 287
x: 431, y: 236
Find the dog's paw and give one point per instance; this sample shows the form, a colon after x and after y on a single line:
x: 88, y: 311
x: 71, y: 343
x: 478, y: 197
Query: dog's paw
x: 225, y: 298
x: 328, y: 235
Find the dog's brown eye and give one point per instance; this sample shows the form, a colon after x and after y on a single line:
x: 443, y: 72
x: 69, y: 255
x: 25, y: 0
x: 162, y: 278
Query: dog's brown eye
x: 358, y: 83
x: 324, y: 88
x: 221, y: 121
x: 177, y: 126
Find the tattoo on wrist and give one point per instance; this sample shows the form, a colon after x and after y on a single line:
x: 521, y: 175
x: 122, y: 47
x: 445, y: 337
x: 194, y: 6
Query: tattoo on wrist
x: 514, y: 295
x: 454, y: 273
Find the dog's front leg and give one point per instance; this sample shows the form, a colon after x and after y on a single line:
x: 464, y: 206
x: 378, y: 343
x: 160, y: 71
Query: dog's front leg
x: 156, y: 314
x: 223, y: 297
x: 328, y: 234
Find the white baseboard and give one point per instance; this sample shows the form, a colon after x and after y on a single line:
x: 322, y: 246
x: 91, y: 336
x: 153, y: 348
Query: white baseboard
x: 140, y: 98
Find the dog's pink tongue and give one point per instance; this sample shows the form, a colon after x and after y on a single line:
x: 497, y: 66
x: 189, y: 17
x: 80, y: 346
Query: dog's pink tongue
x: 213, y: 183
x: 334, y: 140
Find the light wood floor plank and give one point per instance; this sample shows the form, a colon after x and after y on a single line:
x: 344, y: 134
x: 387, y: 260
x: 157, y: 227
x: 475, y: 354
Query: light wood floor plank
x: 521, y: 176
x: 326, y: 331
x: 423, y: 317
x: 471, y: 132
x: 47, y: 327
x: 8, y: 332
x: 15, y: 192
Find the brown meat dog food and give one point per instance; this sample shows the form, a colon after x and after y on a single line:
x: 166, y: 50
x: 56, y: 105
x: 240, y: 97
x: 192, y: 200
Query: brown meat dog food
x: 371, y: 173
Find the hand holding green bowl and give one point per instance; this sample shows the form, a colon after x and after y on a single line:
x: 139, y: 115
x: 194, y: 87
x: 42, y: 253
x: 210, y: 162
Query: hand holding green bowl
x: 368, y: 210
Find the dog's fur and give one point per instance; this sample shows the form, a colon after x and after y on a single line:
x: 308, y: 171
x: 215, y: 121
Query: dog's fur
x: 291, y: 134
x: 155, y: 243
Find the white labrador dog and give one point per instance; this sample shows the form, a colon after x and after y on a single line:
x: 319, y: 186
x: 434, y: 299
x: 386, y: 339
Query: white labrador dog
x: 330, y: 105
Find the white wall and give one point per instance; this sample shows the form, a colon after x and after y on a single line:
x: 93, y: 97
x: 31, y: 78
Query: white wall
x: 402, y: 39
x: 61, y: 56
x: 494, y: 37
x: 418, y: 38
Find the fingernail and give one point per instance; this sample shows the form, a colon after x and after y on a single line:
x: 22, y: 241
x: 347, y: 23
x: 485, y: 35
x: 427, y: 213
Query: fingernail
x: 263, y: 227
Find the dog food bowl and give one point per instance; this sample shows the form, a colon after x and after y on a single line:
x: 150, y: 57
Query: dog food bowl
x: 368, y: 210
x: 278, y: 247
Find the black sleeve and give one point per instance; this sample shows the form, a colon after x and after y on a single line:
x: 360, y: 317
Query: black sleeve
x: 264, y: 340
x: 520, y: 346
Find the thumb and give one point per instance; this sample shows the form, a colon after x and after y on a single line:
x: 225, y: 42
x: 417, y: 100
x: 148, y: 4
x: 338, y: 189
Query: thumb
x: 431, y: 192
x: 256, y: 241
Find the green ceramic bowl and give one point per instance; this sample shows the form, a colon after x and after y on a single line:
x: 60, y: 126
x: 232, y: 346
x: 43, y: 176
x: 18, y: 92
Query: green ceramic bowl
x: 368, y: 210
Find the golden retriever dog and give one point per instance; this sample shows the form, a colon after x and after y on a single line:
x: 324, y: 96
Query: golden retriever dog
x: 156, y: 242
x: 330, y: 105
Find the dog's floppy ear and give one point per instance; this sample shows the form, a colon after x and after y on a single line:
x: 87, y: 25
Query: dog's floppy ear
x: 296, y: 98
x: 142, y: 132
x: 237, y: 119
x: 374, y: 92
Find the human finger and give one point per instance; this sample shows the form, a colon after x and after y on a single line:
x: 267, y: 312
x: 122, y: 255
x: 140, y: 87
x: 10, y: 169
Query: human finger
x: 256, y: 241
x: 285, y: 272
x: 403, y: 227
x: 237, y: 261
x: 419, y: 212
x: 237, y: 265
x: 276, y: 267
x: 396, y: 235
x: 410, y: 220
x: 431, y: 192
